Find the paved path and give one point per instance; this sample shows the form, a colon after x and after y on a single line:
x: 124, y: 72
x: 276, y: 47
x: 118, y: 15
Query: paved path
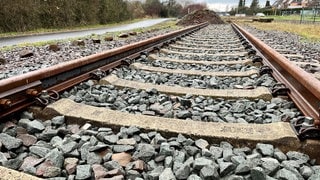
x: 64, y: 35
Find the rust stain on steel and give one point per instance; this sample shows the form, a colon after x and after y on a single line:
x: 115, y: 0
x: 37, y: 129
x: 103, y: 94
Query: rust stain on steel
x: 29, y: 77
x: 304, y: 88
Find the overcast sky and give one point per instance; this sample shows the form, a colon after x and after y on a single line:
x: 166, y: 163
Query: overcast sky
x: 222, y: 5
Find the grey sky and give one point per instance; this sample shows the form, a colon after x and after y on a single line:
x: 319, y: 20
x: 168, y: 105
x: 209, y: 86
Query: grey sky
x: 222, y: 5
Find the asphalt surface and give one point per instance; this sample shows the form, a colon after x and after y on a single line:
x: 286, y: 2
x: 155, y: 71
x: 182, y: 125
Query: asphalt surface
x: 64, y: 35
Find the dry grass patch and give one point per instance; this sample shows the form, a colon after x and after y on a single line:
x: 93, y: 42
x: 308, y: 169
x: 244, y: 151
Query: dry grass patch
x: 308, y: 31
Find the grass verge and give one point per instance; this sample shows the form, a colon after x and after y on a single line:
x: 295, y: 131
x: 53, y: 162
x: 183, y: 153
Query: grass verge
x: 67, y: 29
x: 167, y: 24
x: 309, y: 32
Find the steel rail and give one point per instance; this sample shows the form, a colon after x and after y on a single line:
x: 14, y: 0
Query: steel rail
x: 19, y: 91
x: 304, y: 89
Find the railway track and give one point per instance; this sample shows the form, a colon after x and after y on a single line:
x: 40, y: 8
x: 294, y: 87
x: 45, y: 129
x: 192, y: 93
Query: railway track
x: 205, y: 102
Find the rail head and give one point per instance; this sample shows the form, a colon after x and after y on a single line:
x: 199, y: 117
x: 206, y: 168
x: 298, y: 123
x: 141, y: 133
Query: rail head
x: 304, y: 89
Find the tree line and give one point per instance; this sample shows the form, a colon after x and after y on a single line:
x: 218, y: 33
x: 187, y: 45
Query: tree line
x: 253, y: 9
x: 26, y: 15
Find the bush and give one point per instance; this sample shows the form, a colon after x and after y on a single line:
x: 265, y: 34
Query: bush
x: 26, y: 15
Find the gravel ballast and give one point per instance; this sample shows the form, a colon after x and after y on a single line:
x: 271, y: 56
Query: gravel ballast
x: 81, y: 152
x: 21, y: 60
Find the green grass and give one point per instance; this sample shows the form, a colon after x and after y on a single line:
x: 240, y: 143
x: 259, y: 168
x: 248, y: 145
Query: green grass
x: 309, y: 32
x: 163, y: 25
x: 295, y: 17
x: 56, y: 30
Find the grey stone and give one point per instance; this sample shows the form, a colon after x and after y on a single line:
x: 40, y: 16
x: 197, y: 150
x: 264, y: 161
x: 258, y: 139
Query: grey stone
x: 243, y: 168
x: 84, y: 150
x: 183, y: 172
x: 235, y: 177
x: 107, y: 157
x: 155, y: 173
x: 270, y: 165
x: 181, y: 138
x: 144, y: 152
x: 52, y: 171
x: 265, y: 149
x: 206, y: 153
x: 35, y: 126
x: 300, y: 157
x: 93, y: 158
x: 189, y: 161
x: 188, y: 142
x: 257, y: 173
x: 132, y: 174
x: 238, y: 108
x: 194, y: 177
x: 56, y: 157
x: 152, y: 164
x: 83, y: 171
x: 216, y: 151
x: 159, y: 158
x: 225, y: 145
x: 158, y: 139
x: 30, y: 170
x: 74, y: 153
x: 104, y: 129
x: 253, y: 156
x: 68, y: 147
x: 111, y: 139
x: 48, y: 134
x: 13, y: 163
x: 213, y: 82
x: 209, y: 172
x: 148, y: 113
x: 3, y: 158
x: 58, y: 178
x: 134, y: 100
x: 191, y: 150
x: 306, y: 171
x: 185, y: 102
x: 285, y: 174
x: 201, y: 143
x: 98, y: 147
x: 280, y: 156
x: 168, y: 162
x: 157, y: 108
x: 314, y: 177
x: 183, y: 114
x: 10, y: 142
x: 122, y: 148
x: 92, y: 139
x: 289, y: 164
x: 39, y: 151
x: 165, y: 149
x: 58, y: 120
x: 199, y: 163
x: 316, y: 169
x: 127, y: 141
x: 226, y: 168
x: 143, y: 107
x: 241, y: 151
x: 24, y: 122
x: 227, y: 154
x: 237, y: 159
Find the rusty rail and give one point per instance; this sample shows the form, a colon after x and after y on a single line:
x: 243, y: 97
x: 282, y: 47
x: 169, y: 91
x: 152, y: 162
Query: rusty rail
x: 304, y: 89
x: 19, y: 92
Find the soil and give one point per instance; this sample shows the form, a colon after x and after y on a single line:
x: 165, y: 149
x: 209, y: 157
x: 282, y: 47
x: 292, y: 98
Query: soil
x: 200, y: 16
